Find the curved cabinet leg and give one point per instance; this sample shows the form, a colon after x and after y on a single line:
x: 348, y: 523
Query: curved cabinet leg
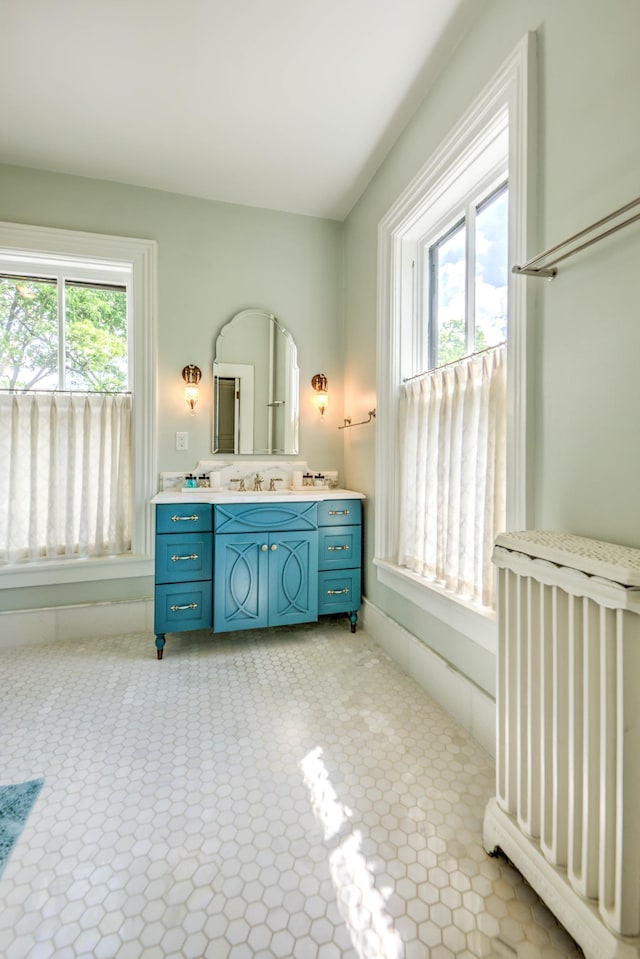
x: 160, y: 641
x: 353, y: 617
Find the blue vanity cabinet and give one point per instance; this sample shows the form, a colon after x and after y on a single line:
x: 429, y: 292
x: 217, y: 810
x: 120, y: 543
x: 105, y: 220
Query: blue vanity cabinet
x: 245, y: 565
x: 340, y: 558
x: 266, y: 565
x: 183, y: 569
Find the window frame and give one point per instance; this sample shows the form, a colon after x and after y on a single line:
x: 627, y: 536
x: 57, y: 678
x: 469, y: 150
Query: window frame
x: 27, y: 244
x: 509, y: 95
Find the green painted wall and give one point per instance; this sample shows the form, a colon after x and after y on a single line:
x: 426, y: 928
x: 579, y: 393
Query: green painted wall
x: 586, y: 331
x: 214, y: 259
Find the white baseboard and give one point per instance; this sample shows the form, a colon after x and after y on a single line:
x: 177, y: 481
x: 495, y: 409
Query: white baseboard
x: 28, y: 627
x: 472, y: 708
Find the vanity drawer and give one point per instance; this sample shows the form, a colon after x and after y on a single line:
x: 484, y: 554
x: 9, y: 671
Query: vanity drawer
x: 339, y: 547
x: 182, y: 606
x: 263, y: 517
x: 185, y: 557
x: 339, y: 512
x: 183, y: 517
x: 339, y: 592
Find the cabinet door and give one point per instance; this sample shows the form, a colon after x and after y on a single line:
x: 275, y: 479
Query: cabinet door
x: 293, y: 578
x: 240, y: 581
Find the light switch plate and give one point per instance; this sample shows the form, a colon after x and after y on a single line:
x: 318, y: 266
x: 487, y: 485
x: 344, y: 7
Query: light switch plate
x: 182, y: 441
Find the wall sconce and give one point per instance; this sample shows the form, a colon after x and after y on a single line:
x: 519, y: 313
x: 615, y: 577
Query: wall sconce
x: 191, y: 375
x: 319, y: 383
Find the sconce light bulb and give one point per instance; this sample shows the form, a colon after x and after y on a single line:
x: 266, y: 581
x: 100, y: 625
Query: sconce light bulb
x: 191, y: 375
x: 319, y: 383
x: 191, y: 395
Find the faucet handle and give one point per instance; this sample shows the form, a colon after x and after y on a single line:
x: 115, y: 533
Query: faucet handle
x: 272, y: 483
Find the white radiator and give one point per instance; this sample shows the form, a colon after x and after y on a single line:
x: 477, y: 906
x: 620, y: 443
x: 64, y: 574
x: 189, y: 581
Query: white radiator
x: 567, y: 809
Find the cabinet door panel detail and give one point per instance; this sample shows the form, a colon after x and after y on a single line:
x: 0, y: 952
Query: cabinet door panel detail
x: 240, y: 582
x: 292, y: 577
x: 265, y: 516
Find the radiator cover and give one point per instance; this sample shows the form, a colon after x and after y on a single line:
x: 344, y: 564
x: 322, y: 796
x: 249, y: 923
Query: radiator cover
x: 567, y: 805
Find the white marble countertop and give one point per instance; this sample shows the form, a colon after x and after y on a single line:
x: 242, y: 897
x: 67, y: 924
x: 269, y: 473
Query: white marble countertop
x: 250, y: 496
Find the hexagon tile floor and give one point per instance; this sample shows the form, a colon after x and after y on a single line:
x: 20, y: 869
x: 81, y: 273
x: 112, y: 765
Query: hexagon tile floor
x: 280, y: 794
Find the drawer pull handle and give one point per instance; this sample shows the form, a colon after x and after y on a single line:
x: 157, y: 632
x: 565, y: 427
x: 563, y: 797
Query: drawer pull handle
x: 176, y: 559
x: 333, y: 549
x: 339, y: 512
x: 188, y: 519
x: 337, y: 592
x: 175, y: 609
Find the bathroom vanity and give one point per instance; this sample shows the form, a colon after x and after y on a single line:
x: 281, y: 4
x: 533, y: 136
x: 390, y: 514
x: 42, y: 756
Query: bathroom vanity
x: 228, y: 560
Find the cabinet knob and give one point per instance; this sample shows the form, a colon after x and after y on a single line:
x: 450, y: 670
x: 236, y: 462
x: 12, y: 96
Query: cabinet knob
x: 273, y: 547
x: 264, y: 547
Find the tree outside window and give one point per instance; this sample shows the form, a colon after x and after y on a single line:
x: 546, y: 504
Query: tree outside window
x: 62, y: 335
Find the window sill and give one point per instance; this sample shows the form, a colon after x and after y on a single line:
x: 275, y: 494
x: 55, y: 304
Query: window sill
x: 54, y: 572
x: 461, y: 615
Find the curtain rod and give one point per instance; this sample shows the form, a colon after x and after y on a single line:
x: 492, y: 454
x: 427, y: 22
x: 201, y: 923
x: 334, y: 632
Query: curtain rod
x: 549, y: 269
x: 469, y: 356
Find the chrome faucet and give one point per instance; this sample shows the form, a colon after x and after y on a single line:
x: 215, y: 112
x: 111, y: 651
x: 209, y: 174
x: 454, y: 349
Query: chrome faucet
x: 257, y: 483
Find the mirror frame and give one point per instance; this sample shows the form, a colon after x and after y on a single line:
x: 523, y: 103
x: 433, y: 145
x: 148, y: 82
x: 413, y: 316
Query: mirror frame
x: 236, y: 367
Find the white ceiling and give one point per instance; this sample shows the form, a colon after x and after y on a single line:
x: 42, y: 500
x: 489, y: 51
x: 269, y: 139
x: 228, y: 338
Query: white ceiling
x: 285, y: 104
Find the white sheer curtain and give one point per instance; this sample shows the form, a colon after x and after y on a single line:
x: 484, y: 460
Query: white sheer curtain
x: 452, y: 467
x: 65, y: 487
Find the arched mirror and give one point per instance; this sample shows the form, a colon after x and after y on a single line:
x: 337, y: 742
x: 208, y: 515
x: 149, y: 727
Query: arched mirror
x: 255, y: 386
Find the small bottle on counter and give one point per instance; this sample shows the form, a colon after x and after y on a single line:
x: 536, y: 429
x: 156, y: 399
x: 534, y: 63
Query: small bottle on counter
x: 318, y: 479
x: 307, y: 479
x: 203, y: 481
x: 190, y: 481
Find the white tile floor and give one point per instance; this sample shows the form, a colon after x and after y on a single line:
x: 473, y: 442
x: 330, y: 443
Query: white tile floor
x: 280, y: 794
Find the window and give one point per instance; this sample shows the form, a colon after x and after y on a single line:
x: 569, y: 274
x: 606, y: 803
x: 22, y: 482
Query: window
x: 58, y: 333
x: 76, y: 391
x: 444, y: 250
x: 466, y: 273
